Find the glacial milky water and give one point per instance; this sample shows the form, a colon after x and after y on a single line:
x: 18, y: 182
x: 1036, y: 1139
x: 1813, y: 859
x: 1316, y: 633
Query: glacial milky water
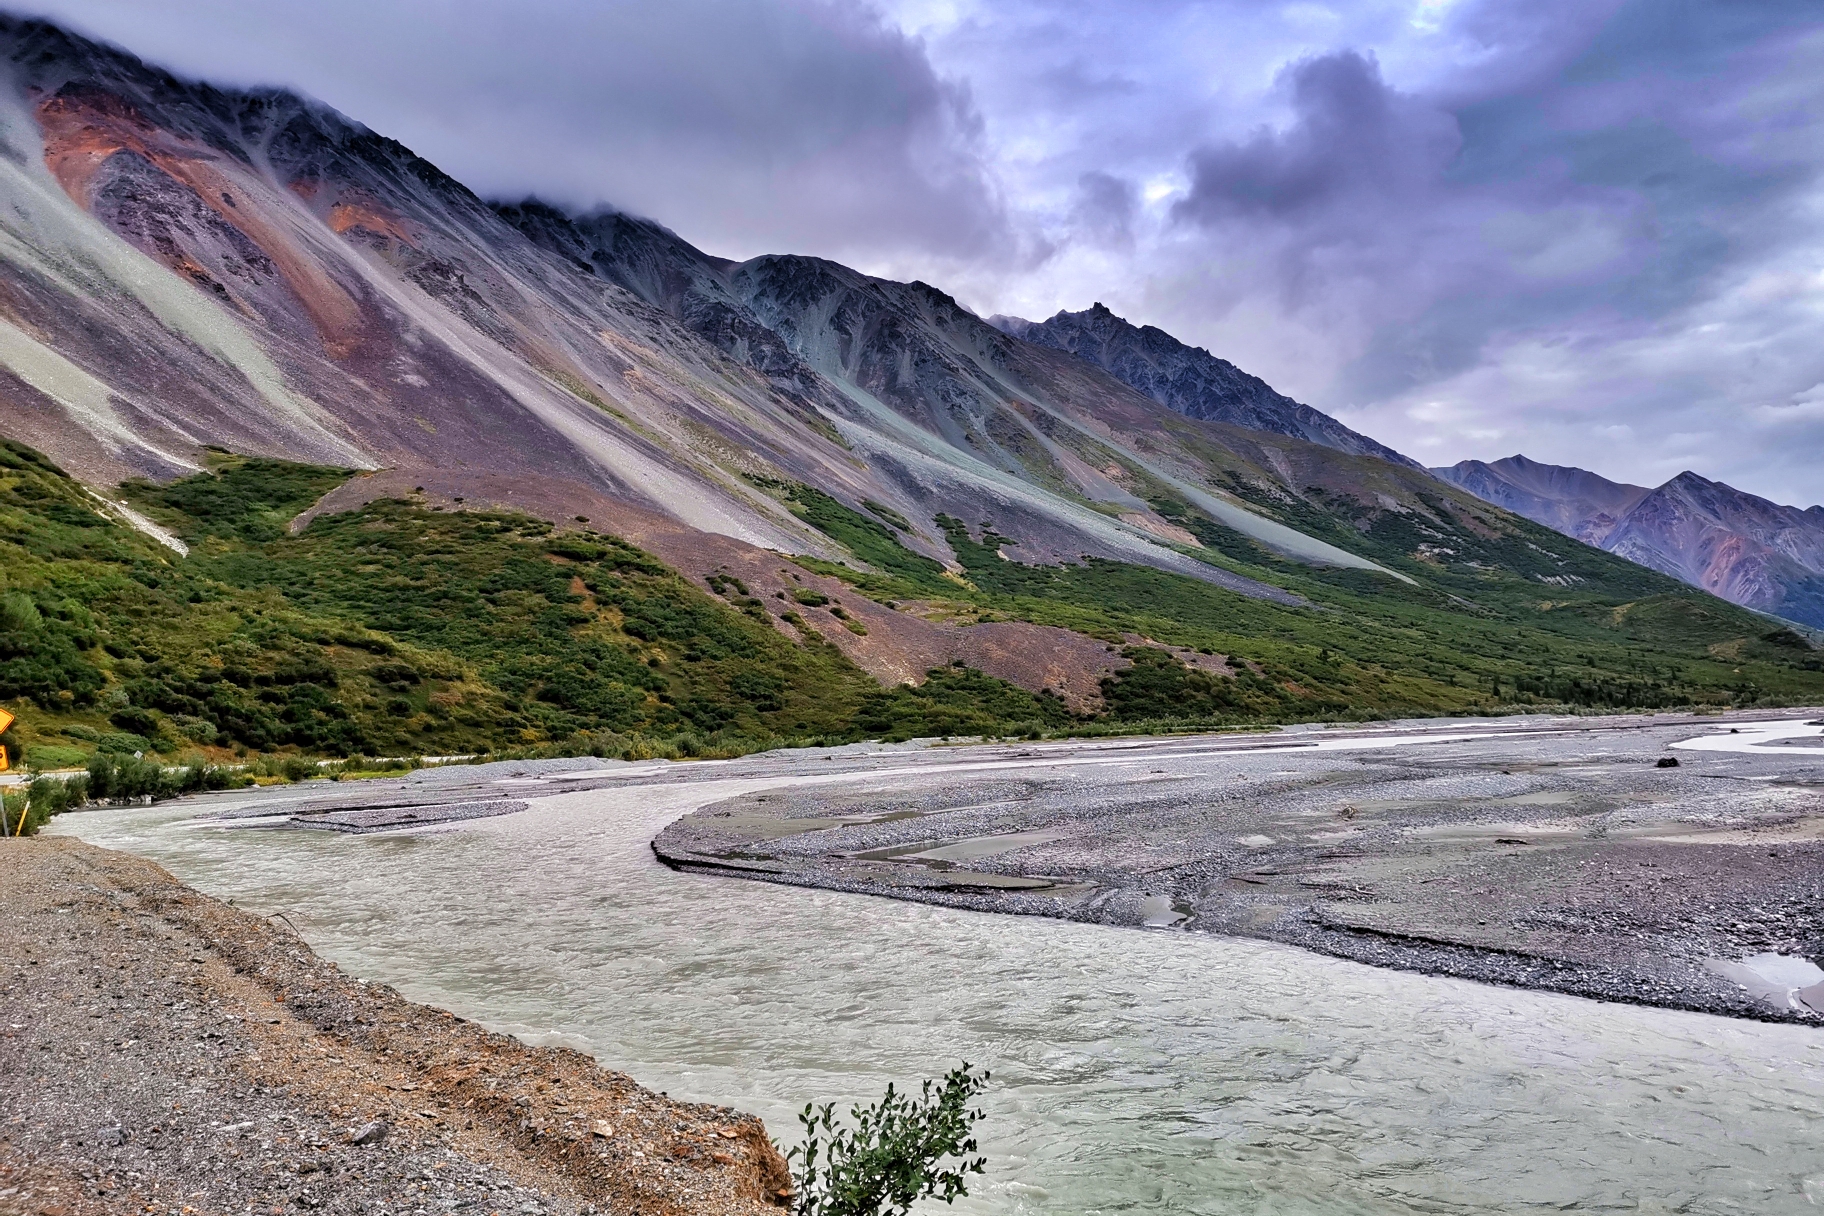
x: 1134, y: 1071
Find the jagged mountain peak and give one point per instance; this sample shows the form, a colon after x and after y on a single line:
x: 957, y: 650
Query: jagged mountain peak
x: 385, y: 315
x: 1189, y: 379
x: 54, y: 65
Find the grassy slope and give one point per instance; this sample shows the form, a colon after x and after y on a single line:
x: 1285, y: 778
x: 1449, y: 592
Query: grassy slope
x: 1480, y: 630
x: 396, y: 629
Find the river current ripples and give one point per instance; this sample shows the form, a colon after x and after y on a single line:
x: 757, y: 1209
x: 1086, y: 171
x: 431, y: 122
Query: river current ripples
x: 1134, y: 1071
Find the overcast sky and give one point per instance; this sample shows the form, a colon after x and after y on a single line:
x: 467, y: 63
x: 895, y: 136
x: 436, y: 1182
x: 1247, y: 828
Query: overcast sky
x: 1591, y: 231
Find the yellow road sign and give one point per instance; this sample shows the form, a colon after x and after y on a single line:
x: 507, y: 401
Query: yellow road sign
x: 6, y: 720
x: 5, y: 762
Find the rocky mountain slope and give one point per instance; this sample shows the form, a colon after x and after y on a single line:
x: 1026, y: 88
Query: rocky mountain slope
x: 1575, y: 502
x: 327, y: 296
x: 879, y: 481
x: 1189, y: 379
x: 1742, y: 548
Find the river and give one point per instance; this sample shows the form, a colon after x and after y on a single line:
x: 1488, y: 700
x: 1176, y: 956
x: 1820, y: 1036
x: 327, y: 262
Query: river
x: 1134, y: 1071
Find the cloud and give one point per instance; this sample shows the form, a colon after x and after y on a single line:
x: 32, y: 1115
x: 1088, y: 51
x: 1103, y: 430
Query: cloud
x: 747, y: 125
x: 1105, y: 209
x: 1594, y: 243
x: 1354, y: 141
x: 1582, y: 228
x: 1636, y: 235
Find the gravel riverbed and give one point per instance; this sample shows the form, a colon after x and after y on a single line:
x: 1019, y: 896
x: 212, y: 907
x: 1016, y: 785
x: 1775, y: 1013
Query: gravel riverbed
x: 1665, y: 860
x: 162, y: 1052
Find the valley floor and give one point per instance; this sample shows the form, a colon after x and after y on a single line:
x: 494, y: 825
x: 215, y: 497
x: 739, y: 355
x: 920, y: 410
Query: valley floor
x: 1664, y: 860
x: 1672, y: 860
x: 161, y: 1051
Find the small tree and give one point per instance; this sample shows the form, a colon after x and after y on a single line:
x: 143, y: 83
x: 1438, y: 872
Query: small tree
x: 894, y: 1155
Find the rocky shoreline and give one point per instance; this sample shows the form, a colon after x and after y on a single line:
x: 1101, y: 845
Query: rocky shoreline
x: 163, y: 1052
x: 1585, y: 857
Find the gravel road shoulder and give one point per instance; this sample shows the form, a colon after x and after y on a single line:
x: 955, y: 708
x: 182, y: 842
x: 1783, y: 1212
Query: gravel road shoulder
x: 162, y: 1052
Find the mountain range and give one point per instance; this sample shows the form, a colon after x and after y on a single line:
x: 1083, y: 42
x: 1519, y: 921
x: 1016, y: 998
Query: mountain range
x: 1189, y: 379
x: 1744, y: 549
x: 252, y: 331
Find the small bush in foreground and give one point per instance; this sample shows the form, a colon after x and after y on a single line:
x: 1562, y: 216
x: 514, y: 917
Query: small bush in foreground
x: 893, y: 1155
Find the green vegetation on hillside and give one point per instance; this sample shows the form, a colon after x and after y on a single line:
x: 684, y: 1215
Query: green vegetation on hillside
x: 1495, y: 619
x: 869, y: 540
x: 399, y: 629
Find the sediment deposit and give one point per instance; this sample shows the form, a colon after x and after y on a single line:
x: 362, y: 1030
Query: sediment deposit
x: 1607, y: 858
x: 164, y: 1052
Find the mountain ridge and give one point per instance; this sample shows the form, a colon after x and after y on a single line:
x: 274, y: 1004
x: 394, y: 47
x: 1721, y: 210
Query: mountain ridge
x: 1189, y: 379
x: 1738, y: 546
x: 203, y: 288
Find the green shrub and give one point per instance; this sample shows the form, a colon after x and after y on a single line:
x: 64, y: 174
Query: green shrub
x: 894, y: 1154
x: 125, y: 778
x: 18, y: 614
x: 41, y: 800
x: 867, y: 539
x: 372, y: 764
x: 240, y: 498
x: 955, y: 700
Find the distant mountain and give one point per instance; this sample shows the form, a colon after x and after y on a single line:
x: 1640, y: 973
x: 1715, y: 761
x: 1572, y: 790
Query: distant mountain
x: 1189, y: 379
x: 1573, y: 501
x: 1734, y: 545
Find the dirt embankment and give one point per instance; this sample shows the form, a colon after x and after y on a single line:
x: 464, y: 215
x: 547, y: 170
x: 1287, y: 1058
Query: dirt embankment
x: 163, y: 1052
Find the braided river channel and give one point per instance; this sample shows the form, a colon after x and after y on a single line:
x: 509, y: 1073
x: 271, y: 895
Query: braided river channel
x: 1133, y: 1070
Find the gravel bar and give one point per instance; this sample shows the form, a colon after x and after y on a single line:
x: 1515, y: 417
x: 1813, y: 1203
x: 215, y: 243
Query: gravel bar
x: 162, y: 1052
x: 1601, y: 857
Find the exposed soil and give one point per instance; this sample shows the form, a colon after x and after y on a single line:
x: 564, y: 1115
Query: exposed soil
x: 898, y: 647
x: 163, y: 1052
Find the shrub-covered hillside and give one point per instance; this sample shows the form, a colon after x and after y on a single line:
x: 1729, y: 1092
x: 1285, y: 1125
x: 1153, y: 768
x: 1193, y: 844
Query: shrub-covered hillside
x: 405, y: 629
x: 396, y: 629
x: 1491, y: 620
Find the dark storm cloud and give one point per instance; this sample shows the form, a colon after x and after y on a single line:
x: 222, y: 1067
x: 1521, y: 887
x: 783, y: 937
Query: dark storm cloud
x: 1561, y: 249
x: 1105, y: 208
x: 1355, y: 142
x: 748, y: 125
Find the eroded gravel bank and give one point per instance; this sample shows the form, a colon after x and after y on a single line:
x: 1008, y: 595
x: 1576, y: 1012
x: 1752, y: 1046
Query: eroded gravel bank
x: 165, y: 1053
